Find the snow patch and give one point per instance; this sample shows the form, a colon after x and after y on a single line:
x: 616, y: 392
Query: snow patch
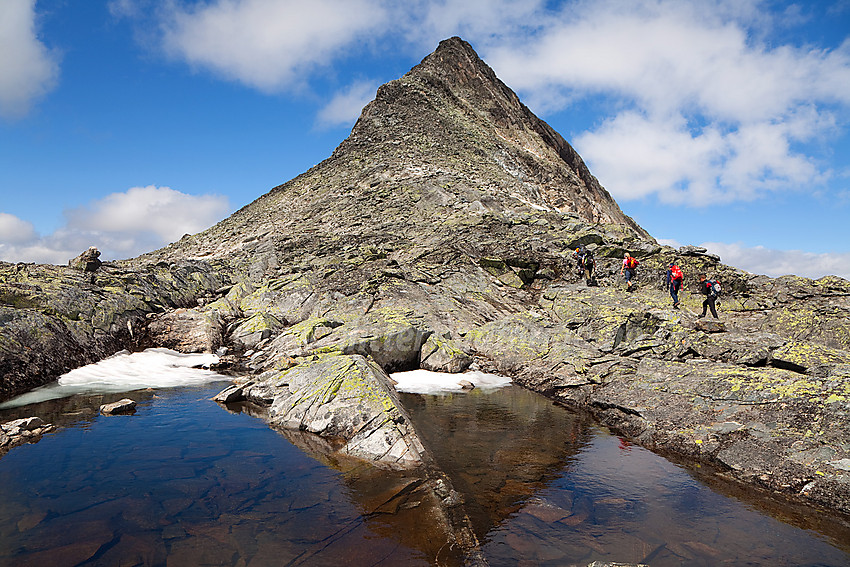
x: 428, y: 382
x: 125, y: 372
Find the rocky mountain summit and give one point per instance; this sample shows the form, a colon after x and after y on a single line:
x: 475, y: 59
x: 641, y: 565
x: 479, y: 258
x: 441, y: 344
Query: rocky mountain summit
x: 439, y: 235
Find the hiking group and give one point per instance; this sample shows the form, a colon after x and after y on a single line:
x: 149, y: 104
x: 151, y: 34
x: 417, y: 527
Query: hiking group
x: 673, y: 281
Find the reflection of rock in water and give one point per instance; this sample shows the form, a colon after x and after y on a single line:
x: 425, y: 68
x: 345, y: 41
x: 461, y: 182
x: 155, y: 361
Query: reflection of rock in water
x: 419, y: 508
x: 499, y: 448
x: 62, y: 412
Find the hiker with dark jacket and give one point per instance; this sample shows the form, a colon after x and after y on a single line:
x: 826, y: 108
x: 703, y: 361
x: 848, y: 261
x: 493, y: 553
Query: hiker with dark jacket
x: 630, y: 264
x: 578, y: 256
x: 674, y: 282
x: 711, y: 290
x: 587, y: 265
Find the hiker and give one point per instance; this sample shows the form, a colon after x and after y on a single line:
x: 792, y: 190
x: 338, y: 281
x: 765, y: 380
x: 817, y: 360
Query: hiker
x: 578, y: 256
x: 674, y: 282
x: 711, y: 290
x: 630, y: 264
x: 587, y: 265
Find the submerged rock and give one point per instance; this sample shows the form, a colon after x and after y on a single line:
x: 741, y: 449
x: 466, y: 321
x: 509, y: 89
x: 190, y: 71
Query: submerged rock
x: 20, y: 431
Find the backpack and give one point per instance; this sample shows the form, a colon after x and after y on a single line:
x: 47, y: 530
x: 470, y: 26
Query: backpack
x: 676, y: 273
x: 713, y: 288
x: 632, y: 263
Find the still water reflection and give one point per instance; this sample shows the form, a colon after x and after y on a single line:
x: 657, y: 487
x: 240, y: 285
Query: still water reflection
x: 546, y: 487
x: 184, y: 482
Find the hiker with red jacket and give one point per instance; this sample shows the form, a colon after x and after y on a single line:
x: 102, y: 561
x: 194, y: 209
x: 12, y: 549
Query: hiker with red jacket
x: 674, y: 282
x: 711, y: 290
x: 630, y: 264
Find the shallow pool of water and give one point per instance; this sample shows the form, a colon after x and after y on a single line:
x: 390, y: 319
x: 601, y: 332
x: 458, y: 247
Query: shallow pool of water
x: 186, y: 482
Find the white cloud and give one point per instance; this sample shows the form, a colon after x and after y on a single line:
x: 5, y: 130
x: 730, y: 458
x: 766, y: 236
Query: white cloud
x: 344, y: 108
x: 14, y: 230
x: 269, y: 44
x: 121, y: 225
x: 698, y: 109
x: 700, y: 104
x: 761, y: 260
x: 775, y: 263
x: 28, y: 69
x: 425, y: 22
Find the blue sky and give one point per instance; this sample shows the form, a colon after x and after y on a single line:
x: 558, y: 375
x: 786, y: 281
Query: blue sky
x: 126, y: 123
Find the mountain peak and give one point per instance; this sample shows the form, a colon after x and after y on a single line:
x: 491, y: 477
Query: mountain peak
x: 454, y: 100
x: 445, y: 146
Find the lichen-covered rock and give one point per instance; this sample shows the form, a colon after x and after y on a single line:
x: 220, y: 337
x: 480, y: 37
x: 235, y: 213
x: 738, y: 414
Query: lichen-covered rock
x: 54, y: 319
x: 452, y: 211
x: 88, y: 261
x: 256, y: 328
x: 440, y: 354
x: 345, y: 397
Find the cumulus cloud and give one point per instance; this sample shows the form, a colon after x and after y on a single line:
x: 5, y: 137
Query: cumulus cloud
x: 121, y: 225
x: 268, y: 44
x: 14, y: 230
x: 698, y: 110
x: 761, y: 260
x: 344, y: 108
x: 775, y: 263
x: 28, y: 69
x: 700, y: 107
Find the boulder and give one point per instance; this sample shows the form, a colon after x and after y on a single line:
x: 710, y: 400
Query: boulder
x: 440, y: 354
x: 123, y: 406
x: 256, y: 328
x: 88, y: 261
x: 231, y: 394
x: 347, y: 398
x: 186, y: 330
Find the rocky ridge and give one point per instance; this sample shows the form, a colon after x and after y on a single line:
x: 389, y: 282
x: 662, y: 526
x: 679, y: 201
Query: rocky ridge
x: 439, y: 234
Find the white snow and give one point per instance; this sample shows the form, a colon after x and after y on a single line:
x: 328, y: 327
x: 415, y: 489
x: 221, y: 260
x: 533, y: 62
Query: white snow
x: 427, y: 382
x: 125, y: 372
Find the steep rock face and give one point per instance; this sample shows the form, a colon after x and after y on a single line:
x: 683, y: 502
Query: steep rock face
x: 444, y: 146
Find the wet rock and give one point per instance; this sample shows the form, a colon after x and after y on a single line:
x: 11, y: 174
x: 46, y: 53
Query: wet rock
x: 21, y: 431
x: 231, y: 394
x: 124, y: 406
